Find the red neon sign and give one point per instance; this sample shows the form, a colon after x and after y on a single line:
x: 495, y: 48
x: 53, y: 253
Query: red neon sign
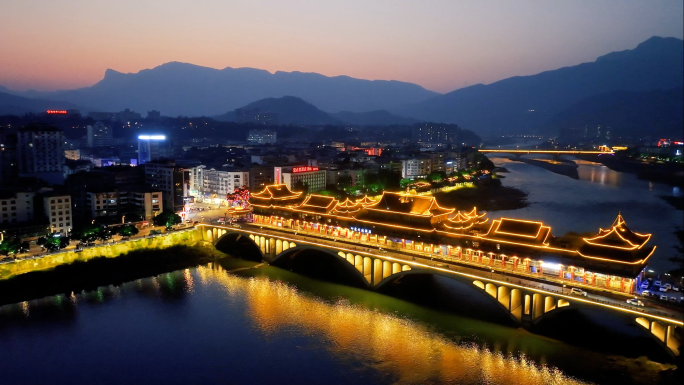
x: 60, y: 112
x: 296, y: 170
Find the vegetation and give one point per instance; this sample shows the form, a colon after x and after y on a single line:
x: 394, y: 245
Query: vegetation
x: 167, y: 218
x: 10, y: 246
x: 92, y: 233
x: 126, y: 230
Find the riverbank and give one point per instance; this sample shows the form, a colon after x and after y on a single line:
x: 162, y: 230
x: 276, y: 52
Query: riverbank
x: 671, y: 174
x: 490, y: 196
x: 103, y: 271
x: 109, y: 250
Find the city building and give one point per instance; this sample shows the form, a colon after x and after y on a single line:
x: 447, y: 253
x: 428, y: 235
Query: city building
x: 16, y: 208
x: 74, y: 154
x: 127, y: 116
x: 610, y: 260
x: 8, y: 157
x: 40, y: 154
x: 154, y: 115
x: 260, y: 176
x: 339, y: 176
x: 256, y: 116
x: 99, y: 135
x: 435, y: 132
x: 149, y: 148
x: 58, y: 211
x: 416, y: 167
x: 307, y: 178
x: 113, y: 206
x: 221, y: 182
x: 261, y: 137
x: 172, y: 180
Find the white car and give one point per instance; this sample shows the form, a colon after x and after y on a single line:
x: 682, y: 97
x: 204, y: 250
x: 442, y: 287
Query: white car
x: 668, y: 286
x: 646, y: 293
x: 644, y: 285
x: 658, y: 283
x: 635, y: 302
x: 664, y: 288
x: 663, y: 297
x: 577, y: 291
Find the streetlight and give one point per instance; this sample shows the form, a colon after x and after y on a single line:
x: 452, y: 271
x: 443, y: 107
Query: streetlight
x: 492, y: 275
x: 123, y: 219
x: 563, y: 292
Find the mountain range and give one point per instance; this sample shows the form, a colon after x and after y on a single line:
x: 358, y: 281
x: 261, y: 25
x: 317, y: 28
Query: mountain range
x: 524, y: 104
x: 521, y: 104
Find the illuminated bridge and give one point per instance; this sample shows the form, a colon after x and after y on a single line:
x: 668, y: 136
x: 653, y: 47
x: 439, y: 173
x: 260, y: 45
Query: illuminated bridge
x: 555, y: 153
x: 374, y: 268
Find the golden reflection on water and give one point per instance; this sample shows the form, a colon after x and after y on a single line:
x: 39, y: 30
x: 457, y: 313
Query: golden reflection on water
x: 400, y: 347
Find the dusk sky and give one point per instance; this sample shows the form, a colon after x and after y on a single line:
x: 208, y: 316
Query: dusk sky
x: 441, y: 45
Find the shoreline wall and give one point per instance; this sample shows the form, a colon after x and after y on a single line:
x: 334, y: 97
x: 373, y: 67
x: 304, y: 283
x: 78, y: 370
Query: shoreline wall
x: 21, y: 266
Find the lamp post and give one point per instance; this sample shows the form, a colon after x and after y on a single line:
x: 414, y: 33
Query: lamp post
x: 563, y: 292
x: 492, y: 274
x: 123, y: 219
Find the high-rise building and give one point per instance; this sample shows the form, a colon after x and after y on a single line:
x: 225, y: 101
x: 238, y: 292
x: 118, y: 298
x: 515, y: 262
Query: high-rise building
x: 149, y: 148
x: 153, y: 115
x: 40, y: 154
x: 435, y: 132
x: 16, y: 207
x: 417, y: 167
x: 100, y: 135
x: 172, y: 180
x: 8, y: 157
x: 57, y: 208
x: 261, y: 137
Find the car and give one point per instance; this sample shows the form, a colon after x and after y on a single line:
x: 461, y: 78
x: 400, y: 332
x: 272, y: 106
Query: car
x: 237, y: 226
x: 675, y: 288
x: 668, y: 286
x: 645, y: 285
x: 646, y: 293
x: 658, y: 283
x: 195, y: 222
x: 188, y: 221
x: 663, y: 297
x: 663, y: 288
x: 635, y: 302
x: 673, y: 299
x: 578, y: 291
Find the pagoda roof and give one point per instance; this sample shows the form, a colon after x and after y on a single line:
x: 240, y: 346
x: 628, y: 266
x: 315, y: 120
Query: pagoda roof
x: 317, y: 203
x: 400, y: 203
x: 347, y: 206
x: 465, y: 220
x: 618, y: 243
x: 519, y: 231
x: 276, y: 191
x: 366, y: 200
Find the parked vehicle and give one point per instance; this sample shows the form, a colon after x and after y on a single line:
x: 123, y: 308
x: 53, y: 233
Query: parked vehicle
x: 675, y: 288
x: 663, y: 297
x: 646, y: 293
x: 578, y: 291
x: 668, y: 286
x: 663, y: 288
x: 658, y: 283
x: 673, y: 299
x: 635, y: 302
x: 645, y: 285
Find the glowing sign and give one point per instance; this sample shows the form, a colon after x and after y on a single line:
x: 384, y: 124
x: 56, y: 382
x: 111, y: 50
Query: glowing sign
x: 58, y: 112
x: 296, y: 170
x: 152, y: 137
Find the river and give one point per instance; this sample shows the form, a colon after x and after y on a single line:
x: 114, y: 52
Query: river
x: 593, y: 202
x: 266, y: 325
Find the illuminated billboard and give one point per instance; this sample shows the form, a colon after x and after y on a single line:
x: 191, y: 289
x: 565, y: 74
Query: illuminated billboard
x: 57, y: 112
x: 152, y: 137
x: 296, y: 170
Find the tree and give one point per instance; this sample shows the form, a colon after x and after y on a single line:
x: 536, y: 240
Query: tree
x: 10, y: 246
x: 56, y: 241
x: 240, y: 196
x: 437, y: 176
x: 126, y: 230
x: 167, y: 218
x: 405, y: 183
x: 344, y: 182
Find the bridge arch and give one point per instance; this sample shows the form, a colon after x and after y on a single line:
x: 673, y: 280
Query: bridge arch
x: 239, y: 245
x: 351, y: 265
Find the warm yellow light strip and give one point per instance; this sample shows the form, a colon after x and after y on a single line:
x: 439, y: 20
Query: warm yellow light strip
x: 617, y: 261
x: 541, y: 225
x: 449, y: 271
x: 547, y: 151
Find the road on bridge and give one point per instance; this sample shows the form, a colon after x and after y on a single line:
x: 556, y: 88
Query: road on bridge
x: 485, y: 272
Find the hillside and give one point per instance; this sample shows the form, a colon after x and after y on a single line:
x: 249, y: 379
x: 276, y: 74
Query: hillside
x: 524, y: 104
x: 17, y: 105
x: 190, y: 90
x: 659, y: 113
x: 290, y: 110
x: 373, y: 118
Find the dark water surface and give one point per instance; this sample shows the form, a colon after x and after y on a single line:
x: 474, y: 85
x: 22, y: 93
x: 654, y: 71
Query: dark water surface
x: 593, y: 202
x: 261, y: 326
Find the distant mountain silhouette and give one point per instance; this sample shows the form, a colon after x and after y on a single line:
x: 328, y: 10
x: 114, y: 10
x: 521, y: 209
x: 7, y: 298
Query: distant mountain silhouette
x: 525, y: 103
x: 290, y: 110
x: 373, y: 118
x: 18, y: 105
x: 186, y: 89
x: 658, y: 113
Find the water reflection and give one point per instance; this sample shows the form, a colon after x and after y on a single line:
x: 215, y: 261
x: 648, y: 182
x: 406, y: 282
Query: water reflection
x: 407, y: 350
